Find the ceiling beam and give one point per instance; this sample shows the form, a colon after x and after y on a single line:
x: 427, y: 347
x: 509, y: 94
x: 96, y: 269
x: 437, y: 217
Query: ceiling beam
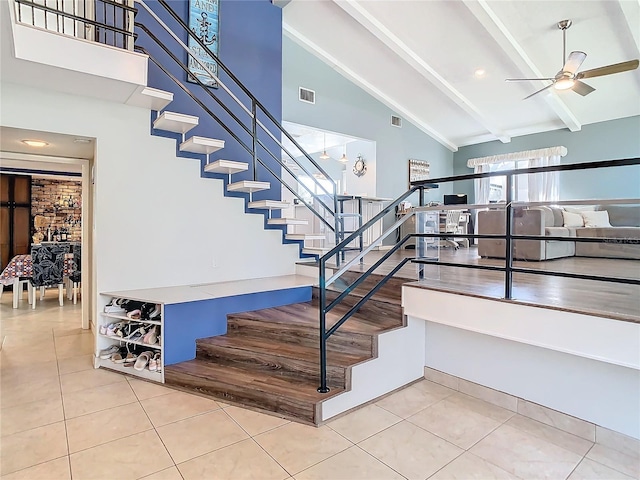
x: 503, y: 37
x: 413, y: 59
x: 363, y: 83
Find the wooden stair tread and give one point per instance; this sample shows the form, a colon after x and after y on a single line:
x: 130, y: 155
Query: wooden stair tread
x: 292, y: 388
x: 288, y: 350
x: 308, y: 314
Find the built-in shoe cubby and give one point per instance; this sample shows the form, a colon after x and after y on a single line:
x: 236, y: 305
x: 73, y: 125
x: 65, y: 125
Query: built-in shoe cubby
x: 129, y: 337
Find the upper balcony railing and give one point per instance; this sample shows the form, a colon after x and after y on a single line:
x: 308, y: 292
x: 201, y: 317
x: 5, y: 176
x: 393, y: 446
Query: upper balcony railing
x: 512, y: 231
x: 109, y: 22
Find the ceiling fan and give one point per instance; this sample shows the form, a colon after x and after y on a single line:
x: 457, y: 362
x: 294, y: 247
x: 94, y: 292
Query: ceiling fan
x: 567, y: 78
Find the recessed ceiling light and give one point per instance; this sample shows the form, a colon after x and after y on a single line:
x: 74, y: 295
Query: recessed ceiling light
x: 479, y: 73
x: 35, y: 143
x: 82, y: 140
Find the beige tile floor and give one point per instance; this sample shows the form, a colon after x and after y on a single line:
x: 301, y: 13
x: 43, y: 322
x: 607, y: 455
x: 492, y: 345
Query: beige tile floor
x: 62, y: 419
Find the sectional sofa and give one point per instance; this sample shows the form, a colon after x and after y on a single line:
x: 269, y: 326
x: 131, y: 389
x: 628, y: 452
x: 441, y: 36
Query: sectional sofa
x: 609, y: 222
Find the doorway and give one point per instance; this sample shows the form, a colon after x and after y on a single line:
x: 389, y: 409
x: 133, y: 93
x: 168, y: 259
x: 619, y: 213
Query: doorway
x: 62, y: 175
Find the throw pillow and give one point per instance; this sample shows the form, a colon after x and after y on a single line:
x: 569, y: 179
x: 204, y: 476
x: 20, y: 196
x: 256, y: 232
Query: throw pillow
x: 596, y: 219
x: 572, y: 219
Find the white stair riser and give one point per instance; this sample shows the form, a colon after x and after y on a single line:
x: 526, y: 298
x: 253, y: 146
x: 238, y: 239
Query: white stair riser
x: 287, y: 221
x: 201, y: 145
x: 175, y: 122
x: 226, y: 166
x: 248, y: 186
x: 269, y: 204
x: 400, y: 361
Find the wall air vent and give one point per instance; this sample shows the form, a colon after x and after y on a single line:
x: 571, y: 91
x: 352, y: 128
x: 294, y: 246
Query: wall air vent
x: 306, y: 95
x: 396, y: 121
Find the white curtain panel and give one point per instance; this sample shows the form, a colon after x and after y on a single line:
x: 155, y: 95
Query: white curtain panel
x: 481, y: 187
x: 544, y: 187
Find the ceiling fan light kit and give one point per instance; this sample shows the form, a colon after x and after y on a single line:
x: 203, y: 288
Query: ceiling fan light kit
x: 569, y: 78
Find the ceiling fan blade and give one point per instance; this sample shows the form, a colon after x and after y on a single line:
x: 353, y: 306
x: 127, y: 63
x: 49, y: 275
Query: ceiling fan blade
x: 525, y: 79
x: 609, y: 69
x: 582, y: 88
x: 574, y: 61
x: 541, y: 90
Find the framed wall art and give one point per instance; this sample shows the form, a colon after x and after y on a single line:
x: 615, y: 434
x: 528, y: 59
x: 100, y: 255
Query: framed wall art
x: 204, y: 23
x: 418, y: 170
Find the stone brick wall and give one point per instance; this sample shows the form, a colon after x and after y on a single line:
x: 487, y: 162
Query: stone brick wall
x: 60, y: 201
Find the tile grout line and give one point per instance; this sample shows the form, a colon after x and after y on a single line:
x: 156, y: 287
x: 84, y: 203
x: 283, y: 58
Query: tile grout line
x: 154, y: 428
x: 64, y: 416
x: 257, y: 443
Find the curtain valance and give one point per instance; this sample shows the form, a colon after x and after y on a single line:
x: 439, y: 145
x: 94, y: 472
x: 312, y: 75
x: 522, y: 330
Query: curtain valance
x: 511, y: 157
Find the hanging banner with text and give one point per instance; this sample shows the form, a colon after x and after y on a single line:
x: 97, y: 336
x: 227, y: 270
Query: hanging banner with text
x: 203, y: 22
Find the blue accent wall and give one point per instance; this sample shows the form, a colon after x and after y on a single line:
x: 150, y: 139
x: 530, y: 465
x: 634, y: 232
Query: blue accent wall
x: 611, y: 140
x: 251, y: 47
x: 184, y: 323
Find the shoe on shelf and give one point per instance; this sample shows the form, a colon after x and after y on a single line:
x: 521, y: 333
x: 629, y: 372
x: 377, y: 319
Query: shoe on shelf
x: 143, y: 360
x: 130, y: 359
x: 155, y: 313
x: 151, y: 337
x: 107, y: 352
x: 137, y: 335
x: 158, y: 359
x: 153, y: 364
x: 134, y: 314
x: 114, y: 309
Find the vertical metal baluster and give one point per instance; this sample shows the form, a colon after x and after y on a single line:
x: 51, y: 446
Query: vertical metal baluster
x: 323, y: 328
x: 73, y: 10
x: 124, y: 27
x: 508, y: 274
x: 58, y: 18
x: 254, y: 133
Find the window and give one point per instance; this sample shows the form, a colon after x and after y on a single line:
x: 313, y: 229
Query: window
x: 313, y: 186
x: 498, y: 185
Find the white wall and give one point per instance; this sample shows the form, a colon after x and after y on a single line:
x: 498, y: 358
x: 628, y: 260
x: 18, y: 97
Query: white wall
x: 157, y: 223
x: 585, y: 366
x: 599, y: 392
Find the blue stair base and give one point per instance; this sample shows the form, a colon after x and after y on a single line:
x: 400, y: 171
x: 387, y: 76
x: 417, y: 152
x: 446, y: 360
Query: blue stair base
x: 184, y: 323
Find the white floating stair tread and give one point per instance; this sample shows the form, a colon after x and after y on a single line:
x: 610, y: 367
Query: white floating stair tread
x: 150, y: 98
x: 269, y: 204
x: 175, y: 122
x: 201, y: 145
x: 287, y: 221
x: 305, y: 236
x: 226, y: 166
x: 248, y: 186
x: 316, y: 250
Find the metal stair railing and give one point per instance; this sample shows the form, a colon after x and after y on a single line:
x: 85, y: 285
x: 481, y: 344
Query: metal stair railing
x: 322, y: 209
x: 508, y: 269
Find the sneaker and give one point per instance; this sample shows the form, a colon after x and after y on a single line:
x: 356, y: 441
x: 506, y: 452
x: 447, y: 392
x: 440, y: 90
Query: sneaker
x: 114, y: 309
x: 107, y: 352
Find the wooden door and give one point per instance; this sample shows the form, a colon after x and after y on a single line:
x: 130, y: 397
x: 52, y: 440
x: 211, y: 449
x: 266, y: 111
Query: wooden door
x: 15, y: 216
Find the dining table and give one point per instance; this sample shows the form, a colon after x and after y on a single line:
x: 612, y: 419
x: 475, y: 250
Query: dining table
x: 20, y: 269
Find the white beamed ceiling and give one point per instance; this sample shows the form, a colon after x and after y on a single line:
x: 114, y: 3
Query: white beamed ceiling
x: 419, y: 58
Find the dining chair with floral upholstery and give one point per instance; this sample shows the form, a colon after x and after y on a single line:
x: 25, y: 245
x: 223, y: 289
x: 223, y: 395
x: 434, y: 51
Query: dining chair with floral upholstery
x: 48, y: 268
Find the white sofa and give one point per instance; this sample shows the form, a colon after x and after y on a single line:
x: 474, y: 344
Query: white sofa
x: 624, y: 223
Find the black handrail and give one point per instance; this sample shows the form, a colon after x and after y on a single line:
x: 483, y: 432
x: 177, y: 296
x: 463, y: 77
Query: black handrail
x: 255, y: 105
x: 185, y: 27
x: 624, y: 162
x: 251, y: 150
x: 230, y: 132
x: 124, y: 8
x: 508, y: 236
